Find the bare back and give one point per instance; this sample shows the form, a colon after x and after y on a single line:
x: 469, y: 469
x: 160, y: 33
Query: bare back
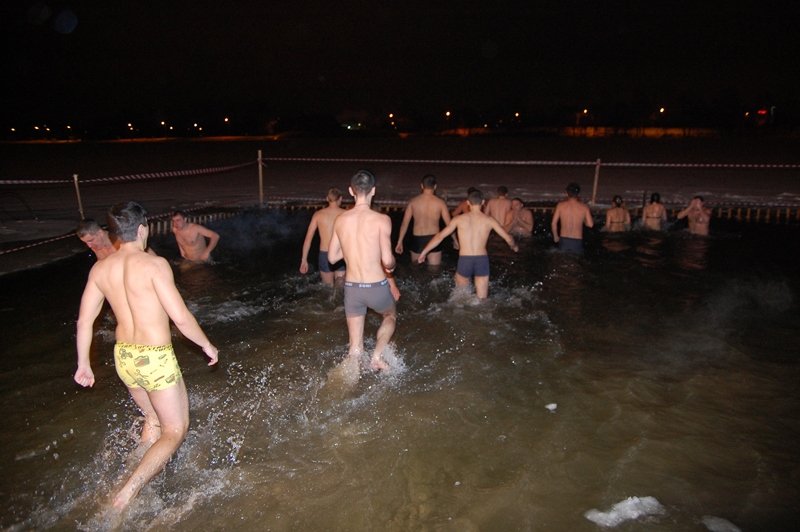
x: 427, y: 209
x: 140, y: 289
x: 364, y: 238
x: 572, y: 214
x: 325, y: 218
x: 473, y: 231
x: 617, y: 219
x: 653, y: 216
x: 498, y: 208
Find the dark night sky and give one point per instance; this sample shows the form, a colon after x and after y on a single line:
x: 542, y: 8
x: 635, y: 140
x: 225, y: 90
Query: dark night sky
x: 171, y: 57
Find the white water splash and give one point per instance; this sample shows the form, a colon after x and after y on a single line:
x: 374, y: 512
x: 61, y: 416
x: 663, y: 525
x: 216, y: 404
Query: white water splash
x: 718, y: 524
x: 630, y: 508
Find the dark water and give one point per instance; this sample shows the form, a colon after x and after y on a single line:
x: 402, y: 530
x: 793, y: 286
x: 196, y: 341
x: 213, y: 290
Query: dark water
x: 660, y: 366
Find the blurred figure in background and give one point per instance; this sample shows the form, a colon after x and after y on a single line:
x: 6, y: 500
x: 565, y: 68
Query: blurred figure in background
x: 654, y: 215
x: 498, y: 207
x: 571, y: 214
x: 618, y: 219
x: 322, y: 221
x: 192, y: 237
x: 425, y: 209
x: 96, y: 238
x: 698, y: 216
x: 519, y: 220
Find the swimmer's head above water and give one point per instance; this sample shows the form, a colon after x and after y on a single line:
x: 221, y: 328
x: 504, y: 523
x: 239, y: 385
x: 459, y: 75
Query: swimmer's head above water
x: 334, y: 194
x: 362, y: 182
x: 87, y: 227
x: 428, y: 181
x: 475, y: 197
x: 573, y: 189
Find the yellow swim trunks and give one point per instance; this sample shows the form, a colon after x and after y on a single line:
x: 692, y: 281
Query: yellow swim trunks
x: 152, y: 367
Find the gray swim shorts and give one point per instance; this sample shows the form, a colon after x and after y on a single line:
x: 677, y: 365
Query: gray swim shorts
x: 358, y: 297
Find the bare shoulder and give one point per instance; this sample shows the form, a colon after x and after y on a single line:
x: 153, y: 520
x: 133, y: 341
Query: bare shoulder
x: 154, y: 264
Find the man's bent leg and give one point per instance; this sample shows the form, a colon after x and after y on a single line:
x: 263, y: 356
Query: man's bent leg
x: 326, y: 277
x: 385, y: 332
x: 171, y: 406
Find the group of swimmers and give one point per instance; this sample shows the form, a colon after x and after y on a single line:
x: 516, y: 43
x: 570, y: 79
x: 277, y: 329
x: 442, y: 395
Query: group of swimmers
x: 195, y: 242
x: 654, y: 216
x: 355, y: 247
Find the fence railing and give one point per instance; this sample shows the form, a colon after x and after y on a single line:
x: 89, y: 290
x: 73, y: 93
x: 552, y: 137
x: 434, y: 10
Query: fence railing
x: 738, y: 212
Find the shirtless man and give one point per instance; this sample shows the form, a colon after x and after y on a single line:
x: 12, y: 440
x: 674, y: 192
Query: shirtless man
x: 322, y: 221
x: 192, y: 237
x: 425, y: 209
x: 498, y: 207
x: 473, y: 229
x: 363, y: 238
x: 618, y: 219
x: 573, y: 214
x: 96, y: 238
x: 519, y: 220
x: 142, y: 294
x: 654, y: 215
x: 698, y: 216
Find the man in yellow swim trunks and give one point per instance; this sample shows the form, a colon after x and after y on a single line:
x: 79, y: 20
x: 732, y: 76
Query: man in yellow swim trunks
x: 142, y: 293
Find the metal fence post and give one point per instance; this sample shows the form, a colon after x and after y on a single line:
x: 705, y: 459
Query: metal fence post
x: 260, y: 180
x: 596, y: 179
x: 78, y: 195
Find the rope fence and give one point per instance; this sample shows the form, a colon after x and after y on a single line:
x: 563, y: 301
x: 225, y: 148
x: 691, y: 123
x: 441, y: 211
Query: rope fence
x: 741, y: 212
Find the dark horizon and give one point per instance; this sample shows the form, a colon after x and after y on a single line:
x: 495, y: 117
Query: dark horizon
x: 97, y: 66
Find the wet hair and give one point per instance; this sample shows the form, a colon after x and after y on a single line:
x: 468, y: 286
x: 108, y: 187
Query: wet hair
x: 501, y: 190
x: 699, y: 197
x: 475, y: 197
x: 618, y: 201
x: 519, y: 200
x: 362, y: 182
x: 178, y: 213
x: 470, y: 190
x: 428, y: 181
x: 124, y: 220
x: 87, y: 226
x: 655, y: 197
x: 573, y: 189
x: 334, y: 194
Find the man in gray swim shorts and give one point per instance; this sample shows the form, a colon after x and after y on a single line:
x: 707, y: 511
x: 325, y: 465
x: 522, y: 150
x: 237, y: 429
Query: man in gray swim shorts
x: 363, y: 238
